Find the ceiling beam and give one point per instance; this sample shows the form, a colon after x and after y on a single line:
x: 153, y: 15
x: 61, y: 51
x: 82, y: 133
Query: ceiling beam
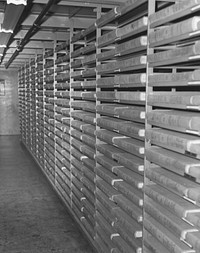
x: 22, y: 56
x: 64, y: 22
x: 43, y: 36
x: 65, y: 10
x: 10, y: 51
x: 81, y: 22
x: 11, y: 67
x: 27, y: 51
x: 31, y: 44
x: 19, y: 61
x: 53, y: 21
x: 90, y: 3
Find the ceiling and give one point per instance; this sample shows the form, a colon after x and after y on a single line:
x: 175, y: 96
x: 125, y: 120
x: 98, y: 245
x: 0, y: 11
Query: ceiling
x: 28, y: 26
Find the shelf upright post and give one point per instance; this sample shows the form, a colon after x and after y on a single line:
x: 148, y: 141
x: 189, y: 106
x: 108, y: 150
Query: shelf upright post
x: 71, y: 49
x: 62, y: 121
x: 49, y: 111
x: 98, y: 50
x: 43, y: 107
x: 53, y: 118
x: 148, y: 108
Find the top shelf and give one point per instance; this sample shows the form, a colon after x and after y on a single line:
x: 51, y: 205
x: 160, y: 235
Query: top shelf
x: 118, y: 12
x: 174, y: 12
x: 113, y: 16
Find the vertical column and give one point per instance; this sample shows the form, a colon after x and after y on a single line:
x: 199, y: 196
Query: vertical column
x: 76, y: 155
x: 21, y: 96
x: 32, y: 107
x: 62, y: 120
x: 104, y: 202
x: 122, y: 49
x: 39, y: 110
x: 27, y: 98
x: 83, y: 78
x: 86, y: 131
x: 49, y: 137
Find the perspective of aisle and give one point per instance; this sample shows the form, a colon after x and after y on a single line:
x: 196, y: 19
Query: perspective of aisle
x: 32, y: 218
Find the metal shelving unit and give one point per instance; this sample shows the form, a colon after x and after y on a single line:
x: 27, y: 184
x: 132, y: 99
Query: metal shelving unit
x: 117, y: 125
x: 173, y: 79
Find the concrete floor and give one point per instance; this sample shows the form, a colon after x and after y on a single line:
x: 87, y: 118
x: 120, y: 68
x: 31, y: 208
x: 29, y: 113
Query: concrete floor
x: 32, y: 217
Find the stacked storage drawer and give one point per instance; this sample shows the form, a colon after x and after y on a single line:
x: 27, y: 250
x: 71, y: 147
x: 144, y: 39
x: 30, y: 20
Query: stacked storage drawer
x: 39, y: 110
x: 172, y: 207
x: 121, y: 69
x: 62, y: 121
x: 49, y: 124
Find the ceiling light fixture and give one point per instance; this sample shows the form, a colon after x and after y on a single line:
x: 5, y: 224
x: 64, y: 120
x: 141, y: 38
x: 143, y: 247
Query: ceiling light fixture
x: 17, y: 2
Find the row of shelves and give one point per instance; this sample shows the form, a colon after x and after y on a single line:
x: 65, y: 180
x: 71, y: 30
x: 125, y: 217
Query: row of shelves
x: 115, y: 119
x: 171, y: 136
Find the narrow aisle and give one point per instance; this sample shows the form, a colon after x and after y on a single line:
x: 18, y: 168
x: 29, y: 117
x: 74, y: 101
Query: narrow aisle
x: 32, y: 218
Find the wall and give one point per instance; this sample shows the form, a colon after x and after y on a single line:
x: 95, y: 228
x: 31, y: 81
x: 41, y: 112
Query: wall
x: 9, y: 116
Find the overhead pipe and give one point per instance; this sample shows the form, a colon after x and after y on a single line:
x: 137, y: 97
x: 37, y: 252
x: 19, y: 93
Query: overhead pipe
x: 24, y: 15
x: 35, y: 27
x: 21, y: 19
